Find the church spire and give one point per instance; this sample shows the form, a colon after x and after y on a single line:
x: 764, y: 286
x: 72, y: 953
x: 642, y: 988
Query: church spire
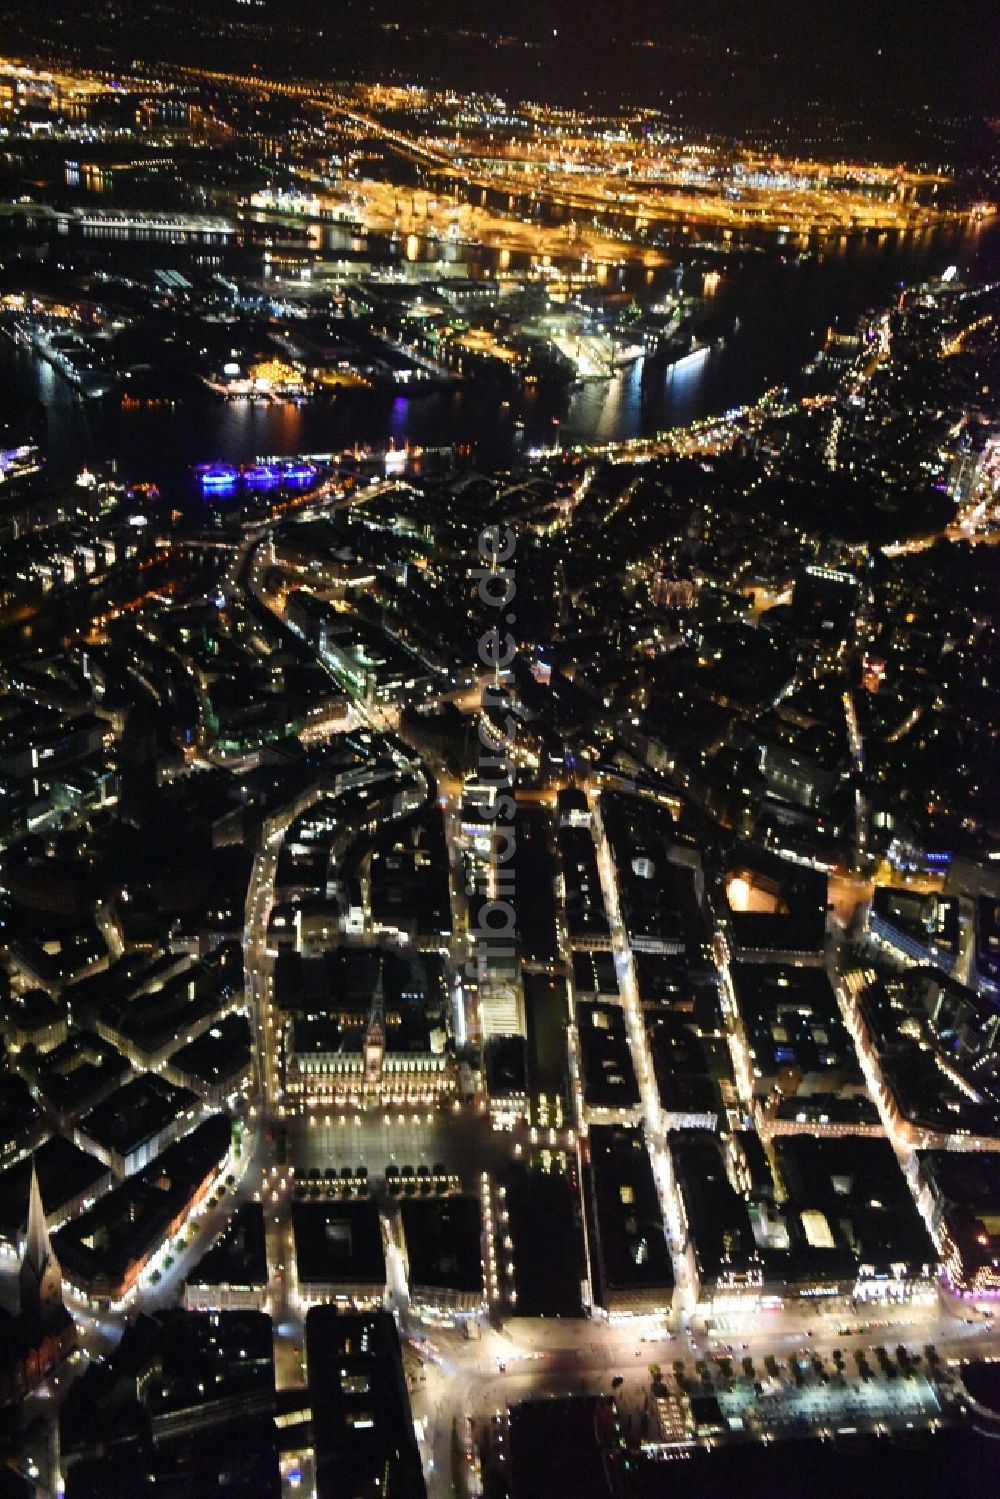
x: 41, y: 1276
x: 37, y: 1249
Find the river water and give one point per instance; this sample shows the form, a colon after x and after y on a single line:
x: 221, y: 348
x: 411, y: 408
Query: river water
x: 783, y: 302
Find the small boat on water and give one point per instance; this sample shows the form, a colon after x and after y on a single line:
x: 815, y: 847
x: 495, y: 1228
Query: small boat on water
x: 295, y: 472
x: 216, y: 476
x: 261, y: 475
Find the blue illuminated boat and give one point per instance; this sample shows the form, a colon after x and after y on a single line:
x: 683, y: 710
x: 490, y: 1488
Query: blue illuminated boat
x: 217, y: 476
x: 261, y: 476
x: 297, y: 473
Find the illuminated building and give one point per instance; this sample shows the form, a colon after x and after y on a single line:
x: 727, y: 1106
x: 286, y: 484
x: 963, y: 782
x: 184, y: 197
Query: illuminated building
x: 961, y: 1195
x: 374, y: 1048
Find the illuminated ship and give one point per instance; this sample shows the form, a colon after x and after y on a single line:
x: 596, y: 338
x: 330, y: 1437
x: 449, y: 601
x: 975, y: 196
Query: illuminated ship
x: 296, y: 473
x: 261, y: 475
x: 217, y: 476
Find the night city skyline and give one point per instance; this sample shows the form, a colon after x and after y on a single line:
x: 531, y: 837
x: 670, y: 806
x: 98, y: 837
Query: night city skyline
x: 499, y: 850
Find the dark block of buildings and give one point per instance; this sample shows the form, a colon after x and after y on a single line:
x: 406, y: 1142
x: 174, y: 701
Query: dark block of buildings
x: 610, y: 1086
x: 67, y: 1177
x: 339, y: 1252
x: 105, y: 1250
x: 233, y: 1273
x: 362, y: 1426
x: 443, y: 1240
x: 631, y: 1266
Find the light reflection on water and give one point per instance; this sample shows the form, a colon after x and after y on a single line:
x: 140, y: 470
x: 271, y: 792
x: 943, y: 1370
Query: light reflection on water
x: 783, y: 304
x: 603, y: 411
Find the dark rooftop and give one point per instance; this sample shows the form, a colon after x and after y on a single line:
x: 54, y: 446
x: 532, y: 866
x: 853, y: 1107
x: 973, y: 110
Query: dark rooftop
x: 362, y: 1426
x: 632, y: 1253
x: 566, y: 1446
x: 135, y: 1113
x: 443, y: 1242
x: 239, y: 1258
x: 608, y: 1075
x: 64, y: 1173
x: 338, y: 1241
